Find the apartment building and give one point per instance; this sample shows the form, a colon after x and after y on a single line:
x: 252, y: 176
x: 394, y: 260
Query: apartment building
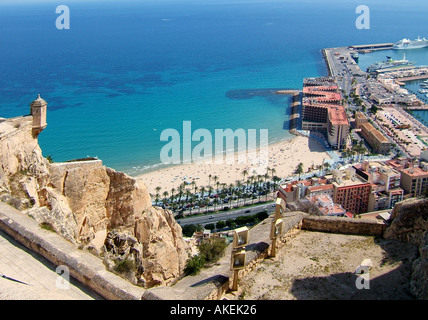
x: 350, y: 191
x: 373, y: 137
x: 414, y: 181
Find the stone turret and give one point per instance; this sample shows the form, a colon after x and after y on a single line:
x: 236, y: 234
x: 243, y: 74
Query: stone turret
x: 38, y: 111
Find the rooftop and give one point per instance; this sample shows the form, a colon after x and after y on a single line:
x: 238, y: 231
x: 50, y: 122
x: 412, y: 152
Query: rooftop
x: 349, y: 182
x: 326, y: 205
x: 322, y: 187
x: 415, y: 172
x: 360, y: 115
x: 310, y: 102
x: 367, y: 126
x: 337, y: 116
x: 379, y: 136
x: 324, y: 94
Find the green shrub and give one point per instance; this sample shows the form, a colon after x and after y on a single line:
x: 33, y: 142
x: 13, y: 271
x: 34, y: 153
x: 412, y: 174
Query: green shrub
x: 194, y: 265
x: 262, y: 215
x: 212, y: 249
x: 124, y: 266
x: 189, y: 229
x: 210, y: 226
x: 220, y: 224
x: 231, y: 223
x: 47, y: 226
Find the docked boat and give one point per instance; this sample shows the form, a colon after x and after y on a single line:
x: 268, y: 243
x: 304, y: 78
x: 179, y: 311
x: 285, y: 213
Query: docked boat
x: 389, y: 65
x: 410, y: 44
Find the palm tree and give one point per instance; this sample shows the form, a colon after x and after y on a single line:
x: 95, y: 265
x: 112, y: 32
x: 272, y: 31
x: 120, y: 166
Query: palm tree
x: 210, y: 191
x: 259, y: 188
x: 195, y: 188
x: 202, y: 191
x: 215, y: 178
x: 188, y: 194
x: 299, y: 169
x: 275, y: 180
x: 197, y: 199
x: 215, y: 202
x: 180, y: 192
x: 191, y: 197
x: 172, y: 197
x: 165, y: 195
x: 232, y: 192
x: 272, y: 172
x: 265, y: 185
x: 238, y: 191
x: 353, y: 153
x: 206, y: 202
x: 202, y: 197
x: 244, y: 173
x: 157, y: 195
x: 218, y: 186
x: 326, y: 166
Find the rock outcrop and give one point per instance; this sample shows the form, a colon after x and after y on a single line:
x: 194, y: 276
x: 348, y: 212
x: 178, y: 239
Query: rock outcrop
x: 419, y: 281
x: 22, y: 166
x: 93, y: 206
x: 409, y: 223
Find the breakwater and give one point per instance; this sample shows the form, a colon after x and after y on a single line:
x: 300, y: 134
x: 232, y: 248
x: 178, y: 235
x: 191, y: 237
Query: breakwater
x: 295, y: 108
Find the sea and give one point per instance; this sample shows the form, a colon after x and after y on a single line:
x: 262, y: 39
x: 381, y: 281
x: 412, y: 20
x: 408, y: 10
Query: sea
x: 126, y: 71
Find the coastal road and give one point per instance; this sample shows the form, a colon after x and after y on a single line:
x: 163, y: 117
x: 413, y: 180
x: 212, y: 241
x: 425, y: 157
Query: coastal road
x: 225, y: 215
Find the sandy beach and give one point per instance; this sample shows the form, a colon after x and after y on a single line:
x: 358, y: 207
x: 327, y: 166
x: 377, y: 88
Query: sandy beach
x: 283, y: 156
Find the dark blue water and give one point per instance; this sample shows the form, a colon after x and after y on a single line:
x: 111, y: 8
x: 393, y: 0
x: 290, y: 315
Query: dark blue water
x: 127, y: 70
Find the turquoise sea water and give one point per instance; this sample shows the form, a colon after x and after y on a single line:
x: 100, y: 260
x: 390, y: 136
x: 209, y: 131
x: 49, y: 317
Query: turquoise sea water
x: 127, y: 70
x: 422, y: 116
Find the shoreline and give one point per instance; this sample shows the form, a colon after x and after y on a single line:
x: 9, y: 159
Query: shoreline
x: 283, y: 156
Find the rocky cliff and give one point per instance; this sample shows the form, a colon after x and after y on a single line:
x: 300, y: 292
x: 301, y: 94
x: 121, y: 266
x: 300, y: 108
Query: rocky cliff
x: 409, y: 223
x: 419, y: 281
x: 95, y: 207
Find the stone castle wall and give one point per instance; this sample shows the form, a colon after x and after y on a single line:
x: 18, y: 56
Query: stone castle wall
x: 366, y: 227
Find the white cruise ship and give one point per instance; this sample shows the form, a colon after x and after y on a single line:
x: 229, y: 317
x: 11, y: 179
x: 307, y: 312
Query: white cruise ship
x: 411, y: 44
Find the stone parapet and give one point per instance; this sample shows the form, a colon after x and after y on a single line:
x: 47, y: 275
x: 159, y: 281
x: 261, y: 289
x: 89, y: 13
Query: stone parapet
x: 85, y: 267
x: 212, y: 283
x: 366, y: 227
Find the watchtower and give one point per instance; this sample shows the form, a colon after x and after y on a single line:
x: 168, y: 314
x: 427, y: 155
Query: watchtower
x: 38, y: 111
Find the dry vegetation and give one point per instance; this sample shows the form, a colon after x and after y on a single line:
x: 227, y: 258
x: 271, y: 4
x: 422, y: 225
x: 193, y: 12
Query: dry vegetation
x: 315, y: 265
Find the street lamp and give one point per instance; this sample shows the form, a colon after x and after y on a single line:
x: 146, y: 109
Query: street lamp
x: 277, y: 227
x: 241, y: 238
x: 279, y: 208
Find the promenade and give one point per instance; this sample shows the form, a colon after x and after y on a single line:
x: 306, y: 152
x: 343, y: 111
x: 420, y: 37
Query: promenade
x: 28, y: 266
x: 25, y: 275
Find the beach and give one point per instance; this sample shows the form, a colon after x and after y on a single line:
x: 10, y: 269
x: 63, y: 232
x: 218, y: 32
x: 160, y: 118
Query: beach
x: 282, y: 156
